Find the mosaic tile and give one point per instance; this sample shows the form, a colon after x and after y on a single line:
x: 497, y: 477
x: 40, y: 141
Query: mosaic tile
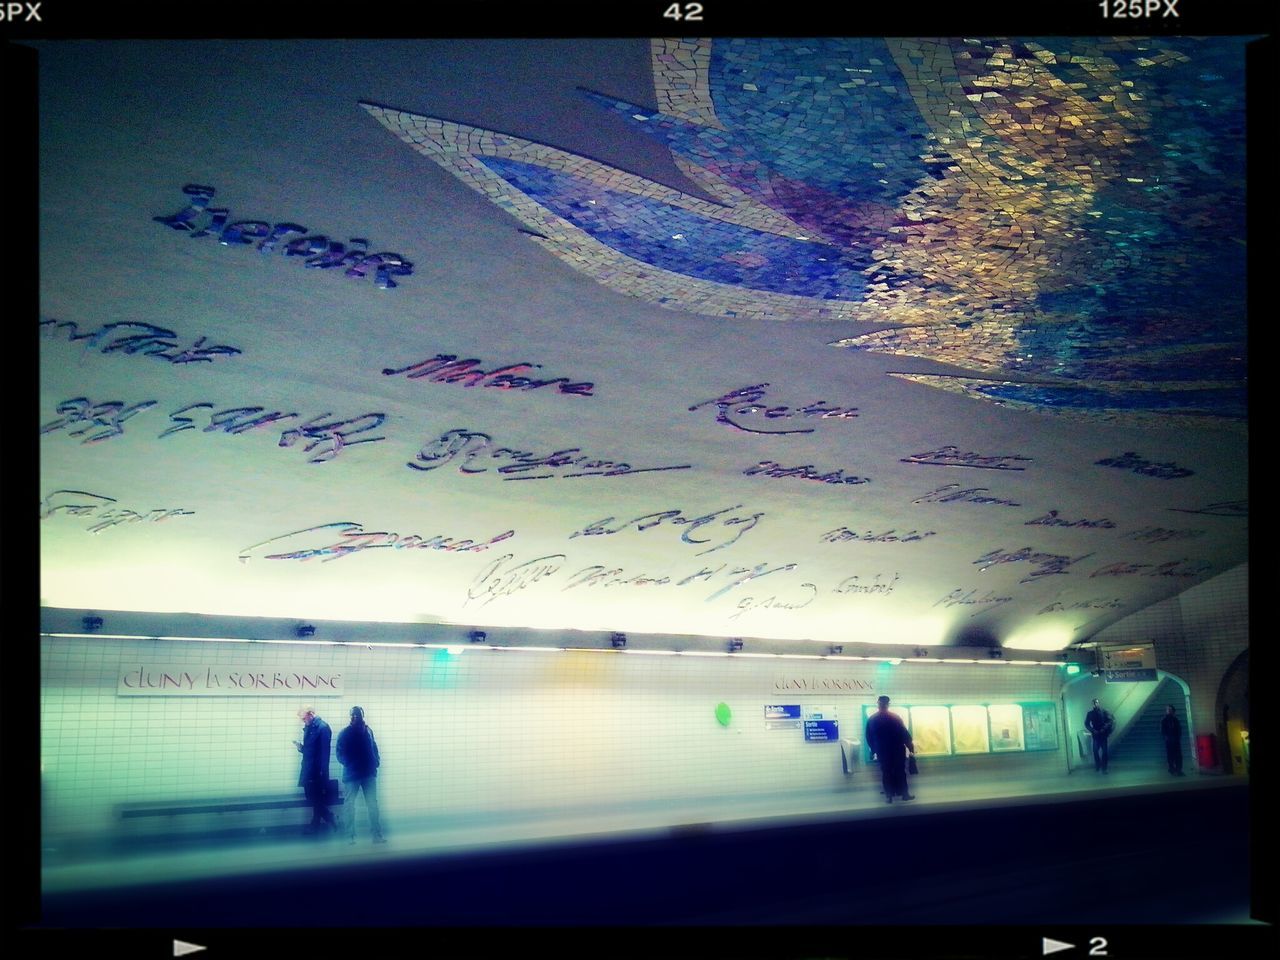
x: 1196, y: 405
x: 1048, y: 207
x: 451, y: 145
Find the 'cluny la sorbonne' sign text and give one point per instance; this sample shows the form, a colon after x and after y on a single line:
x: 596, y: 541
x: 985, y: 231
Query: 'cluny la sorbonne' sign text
x: 824, y: 684
x: 145, y: 680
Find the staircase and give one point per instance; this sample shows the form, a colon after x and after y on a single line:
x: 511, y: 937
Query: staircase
x: 1142, y: 745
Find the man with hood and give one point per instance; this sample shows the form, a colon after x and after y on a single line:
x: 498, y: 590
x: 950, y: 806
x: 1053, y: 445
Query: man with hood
x: 358, y: 754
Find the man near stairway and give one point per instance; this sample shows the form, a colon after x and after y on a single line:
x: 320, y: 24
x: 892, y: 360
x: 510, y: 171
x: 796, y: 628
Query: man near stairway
x: 1100, y: 724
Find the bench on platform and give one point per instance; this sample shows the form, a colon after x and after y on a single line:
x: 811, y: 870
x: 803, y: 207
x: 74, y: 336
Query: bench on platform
x: 145, y: 811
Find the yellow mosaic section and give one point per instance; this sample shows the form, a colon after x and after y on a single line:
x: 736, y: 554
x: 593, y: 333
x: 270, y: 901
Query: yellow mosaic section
x: 1152, y: 419
x: 998, y: 225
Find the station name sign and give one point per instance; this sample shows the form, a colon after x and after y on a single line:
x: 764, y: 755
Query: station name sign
x: 824, y: 684
x: 193, y: 680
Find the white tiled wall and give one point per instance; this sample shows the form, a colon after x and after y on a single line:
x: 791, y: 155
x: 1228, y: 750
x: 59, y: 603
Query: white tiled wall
x: 1198, y: 635
x: 485, y: 730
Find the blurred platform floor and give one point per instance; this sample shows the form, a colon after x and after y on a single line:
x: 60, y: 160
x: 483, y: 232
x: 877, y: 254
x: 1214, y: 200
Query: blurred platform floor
x: 1128, y: 848
x: 192, y: 859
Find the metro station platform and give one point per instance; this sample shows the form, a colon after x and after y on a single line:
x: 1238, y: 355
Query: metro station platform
x: 1174, y: 848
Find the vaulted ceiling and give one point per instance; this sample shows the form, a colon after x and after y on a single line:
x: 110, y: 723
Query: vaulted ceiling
x: 927, y: 341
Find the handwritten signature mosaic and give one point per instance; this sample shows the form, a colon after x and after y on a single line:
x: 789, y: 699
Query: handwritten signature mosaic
x: 970, y: 598
x: 737, y: 405
x: 845, y: 535
x: 953, y: 493
x: 135, y: 337
x: 477, y: 453
x: 322, y: 436
x: 769, y: 468
x: 798, y: 601
x: 502, y: 578
x: 1144, y: 467
x: 1222, y: 508
x: 721, y: 530
x: 198, y: 219
x: 344, y: 538
x: 953, y: 457
x: 102, y: 511
x: 448, y: 368
x: 1052, y: 519
x: 1093, y: 603
x: 1182, y: 569
x: 1046, y: 564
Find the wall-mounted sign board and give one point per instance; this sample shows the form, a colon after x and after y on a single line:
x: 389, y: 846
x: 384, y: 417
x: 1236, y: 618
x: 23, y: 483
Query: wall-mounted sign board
x: 821, y: 724
x: 784, y: 716
x: 1130, y: 663
x: 197, y: 680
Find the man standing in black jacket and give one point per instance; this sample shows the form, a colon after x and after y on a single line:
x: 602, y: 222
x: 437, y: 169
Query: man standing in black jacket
x: 1171, y: 730
x: 358, y: 754
x: 314, y: 776
x: 889, y: 739
x: 1099, y: 723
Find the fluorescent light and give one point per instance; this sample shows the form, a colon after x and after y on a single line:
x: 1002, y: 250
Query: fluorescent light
x: 456, y: 649
x: 652, y: 653
x: 123, y: 636
x: 1041, y: 638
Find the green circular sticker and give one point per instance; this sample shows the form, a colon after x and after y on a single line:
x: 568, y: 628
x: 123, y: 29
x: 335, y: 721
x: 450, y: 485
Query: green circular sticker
x: 723, y: 714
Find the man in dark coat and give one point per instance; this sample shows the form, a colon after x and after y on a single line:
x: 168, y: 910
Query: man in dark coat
x: 358, y: 754
x: 314, y: 776
x: 1171, y: 730
x: 1099, y: 723
x: 889, y: 739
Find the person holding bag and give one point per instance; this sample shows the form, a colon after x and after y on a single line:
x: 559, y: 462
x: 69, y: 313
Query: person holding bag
x: 890, y: 741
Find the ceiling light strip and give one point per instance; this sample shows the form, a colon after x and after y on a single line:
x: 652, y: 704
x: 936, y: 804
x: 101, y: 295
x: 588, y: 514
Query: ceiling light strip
x: 455, y: 646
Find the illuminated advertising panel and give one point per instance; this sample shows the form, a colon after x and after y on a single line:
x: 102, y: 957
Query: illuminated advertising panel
x: 1006, y: 727
x: 931, y: 731
x: 969, y: 728
x: 1040, y: 725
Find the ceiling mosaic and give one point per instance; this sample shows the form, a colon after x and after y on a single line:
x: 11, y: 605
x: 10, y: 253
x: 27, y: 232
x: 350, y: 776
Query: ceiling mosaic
x: 577, y: 363
x: 1062, y: 218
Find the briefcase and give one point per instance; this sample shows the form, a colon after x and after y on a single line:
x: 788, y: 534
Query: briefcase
x: 911, y: 765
